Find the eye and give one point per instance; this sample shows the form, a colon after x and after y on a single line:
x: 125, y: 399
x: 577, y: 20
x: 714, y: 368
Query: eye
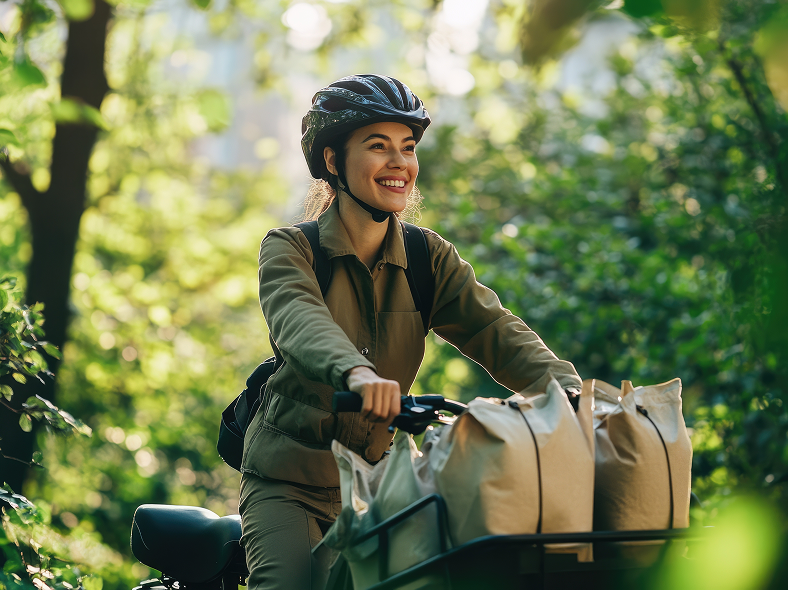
x: 377, y: 146
x: 410, y: 148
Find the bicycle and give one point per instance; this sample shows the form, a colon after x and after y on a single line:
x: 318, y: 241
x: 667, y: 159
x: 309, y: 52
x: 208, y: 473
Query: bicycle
x: 197, y: 550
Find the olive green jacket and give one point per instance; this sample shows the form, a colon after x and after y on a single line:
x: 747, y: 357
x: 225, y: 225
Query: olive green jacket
x: 368, y: 318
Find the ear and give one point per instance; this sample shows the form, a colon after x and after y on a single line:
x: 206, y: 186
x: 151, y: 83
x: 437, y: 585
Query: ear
x: 330, y: 157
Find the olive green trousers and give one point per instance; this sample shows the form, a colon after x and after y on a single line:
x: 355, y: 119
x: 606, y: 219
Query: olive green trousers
x: 282, y: 522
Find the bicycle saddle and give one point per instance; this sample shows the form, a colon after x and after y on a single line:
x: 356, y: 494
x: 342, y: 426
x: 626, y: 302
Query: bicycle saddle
x: 190, y: 544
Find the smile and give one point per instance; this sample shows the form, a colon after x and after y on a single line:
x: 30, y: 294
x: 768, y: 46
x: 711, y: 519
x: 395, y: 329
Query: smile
x: 392, y: 183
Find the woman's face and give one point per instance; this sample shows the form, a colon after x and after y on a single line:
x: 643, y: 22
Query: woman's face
x: 380, y: 165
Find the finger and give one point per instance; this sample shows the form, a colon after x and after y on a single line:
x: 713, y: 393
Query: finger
x: 396, y: 407
x: 385, y: 406
x: 375, y: 415
x: 368, y: 401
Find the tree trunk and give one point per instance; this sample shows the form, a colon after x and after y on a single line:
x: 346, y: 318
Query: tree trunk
x: 54, y: 219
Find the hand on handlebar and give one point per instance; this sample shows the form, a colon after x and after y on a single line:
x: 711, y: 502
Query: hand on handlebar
x: 380, y: 397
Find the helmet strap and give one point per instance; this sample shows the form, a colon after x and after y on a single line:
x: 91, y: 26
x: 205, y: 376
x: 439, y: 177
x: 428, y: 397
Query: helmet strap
x: 378, y: 215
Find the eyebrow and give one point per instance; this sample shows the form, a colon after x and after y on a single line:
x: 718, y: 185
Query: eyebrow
x: 387, y: 138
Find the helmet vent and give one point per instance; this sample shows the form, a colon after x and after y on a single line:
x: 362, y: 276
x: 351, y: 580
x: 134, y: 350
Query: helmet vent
x: 356, y: 87
x: 385, y: 88
x: 334, y: 104
x: 404, y: 94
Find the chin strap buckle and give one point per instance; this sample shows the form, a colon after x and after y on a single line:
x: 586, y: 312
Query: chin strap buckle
x: 378, y: 215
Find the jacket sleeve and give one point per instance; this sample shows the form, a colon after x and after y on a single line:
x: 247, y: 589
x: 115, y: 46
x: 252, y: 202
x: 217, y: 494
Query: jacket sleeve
x: 470, y: 316
x: 296, y: 314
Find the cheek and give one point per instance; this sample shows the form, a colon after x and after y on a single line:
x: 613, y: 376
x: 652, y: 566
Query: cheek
x: 364, y: 169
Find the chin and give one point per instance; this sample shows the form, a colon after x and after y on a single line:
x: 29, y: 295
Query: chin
x: 396, y: 208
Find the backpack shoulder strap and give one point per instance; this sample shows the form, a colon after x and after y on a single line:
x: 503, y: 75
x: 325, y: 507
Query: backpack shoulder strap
x: 322, y: 266
x: 419, y: 271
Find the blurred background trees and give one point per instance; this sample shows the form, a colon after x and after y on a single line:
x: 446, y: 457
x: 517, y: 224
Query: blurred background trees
x: 617, y: 174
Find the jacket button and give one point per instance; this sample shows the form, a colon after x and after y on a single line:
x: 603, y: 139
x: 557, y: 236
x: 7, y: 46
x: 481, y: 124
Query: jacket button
x: 365, y: 351
x: 381, y: 265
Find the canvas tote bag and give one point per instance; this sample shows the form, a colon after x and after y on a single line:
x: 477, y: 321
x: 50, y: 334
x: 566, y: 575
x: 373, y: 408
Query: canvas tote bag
x: 523, y: 465
x: 643, y: 457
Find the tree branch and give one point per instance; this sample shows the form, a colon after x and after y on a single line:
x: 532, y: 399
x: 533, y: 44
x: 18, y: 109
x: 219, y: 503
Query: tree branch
x: 28, y: 463
x: 774, y: 149
x: 19, y: 181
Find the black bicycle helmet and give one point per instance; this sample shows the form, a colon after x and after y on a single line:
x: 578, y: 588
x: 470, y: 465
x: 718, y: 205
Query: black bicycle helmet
x: 353, y: 102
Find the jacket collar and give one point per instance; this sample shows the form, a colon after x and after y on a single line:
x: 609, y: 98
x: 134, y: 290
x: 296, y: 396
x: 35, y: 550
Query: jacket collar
x: 335, y: 240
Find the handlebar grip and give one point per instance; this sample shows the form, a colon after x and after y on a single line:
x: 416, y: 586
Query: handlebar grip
x: 346, y: 401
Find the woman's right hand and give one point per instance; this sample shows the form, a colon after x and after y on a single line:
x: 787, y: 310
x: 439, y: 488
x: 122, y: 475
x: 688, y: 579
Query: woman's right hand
x: 381, y: 397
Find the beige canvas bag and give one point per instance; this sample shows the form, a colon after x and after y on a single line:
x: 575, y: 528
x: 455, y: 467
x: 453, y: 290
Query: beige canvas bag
x: 643, y: 457
x: 523, y: 465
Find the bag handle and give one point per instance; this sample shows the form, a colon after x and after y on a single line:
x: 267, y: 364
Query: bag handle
x: 513, y: 404
x: 644, y: 412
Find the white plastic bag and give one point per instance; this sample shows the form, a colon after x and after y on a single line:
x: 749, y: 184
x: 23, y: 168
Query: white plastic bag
x: 372, y: 494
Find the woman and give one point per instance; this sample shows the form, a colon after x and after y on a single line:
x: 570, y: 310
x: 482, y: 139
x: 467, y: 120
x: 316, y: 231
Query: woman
x: 365, y: 336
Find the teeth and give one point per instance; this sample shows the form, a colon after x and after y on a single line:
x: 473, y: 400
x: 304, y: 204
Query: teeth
x: 396, y: 183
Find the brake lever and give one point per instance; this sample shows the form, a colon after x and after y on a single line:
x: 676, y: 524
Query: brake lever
x: 416, y: 417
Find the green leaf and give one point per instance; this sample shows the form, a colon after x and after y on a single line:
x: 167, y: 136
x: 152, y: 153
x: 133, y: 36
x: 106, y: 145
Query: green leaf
x: 202, y: 4
x: 7, y: 137
x: 69, y: 110
x: 6, y: 392
x: 25, y: 423
x: 51, y: 350
x: 19, y: 377
x: 38, y: 457
x: 2, y: 38
x: 78, y: 426
x: 77, y: 10
x: 92, y: 583
x: 3, y: 292
x: 16, y: 501
x: 26, y: 74
x: 215, y: 109
x: 642, y: 8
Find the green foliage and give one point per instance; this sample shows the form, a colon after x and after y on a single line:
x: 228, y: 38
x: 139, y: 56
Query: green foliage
x: 26, y: 74
x: 638, y: 238
x: 70, y: 111
x: 643, y: 244
x: 20, y: 330
x: 740, y: 554
x: 22, y: 357
x: 36, y: 557
x: 214, y: 107
x: 7, y: 136
x: 77, y: 10
x: 166, y: 321
x: 34, y: 554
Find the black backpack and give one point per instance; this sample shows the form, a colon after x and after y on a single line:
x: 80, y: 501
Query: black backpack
x: 238, y: 415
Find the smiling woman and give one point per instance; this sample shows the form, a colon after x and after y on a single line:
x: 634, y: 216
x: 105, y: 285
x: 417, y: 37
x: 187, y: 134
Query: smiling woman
x: 345, y: 120
x: 364, y: 332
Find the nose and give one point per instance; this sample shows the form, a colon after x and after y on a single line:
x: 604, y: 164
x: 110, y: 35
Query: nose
x: 397, y: 160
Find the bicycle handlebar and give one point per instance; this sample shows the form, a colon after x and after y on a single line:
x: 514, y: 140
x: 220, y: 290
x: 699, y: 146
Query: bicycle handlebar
x: 417, y: 412
x: 346, y: 401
